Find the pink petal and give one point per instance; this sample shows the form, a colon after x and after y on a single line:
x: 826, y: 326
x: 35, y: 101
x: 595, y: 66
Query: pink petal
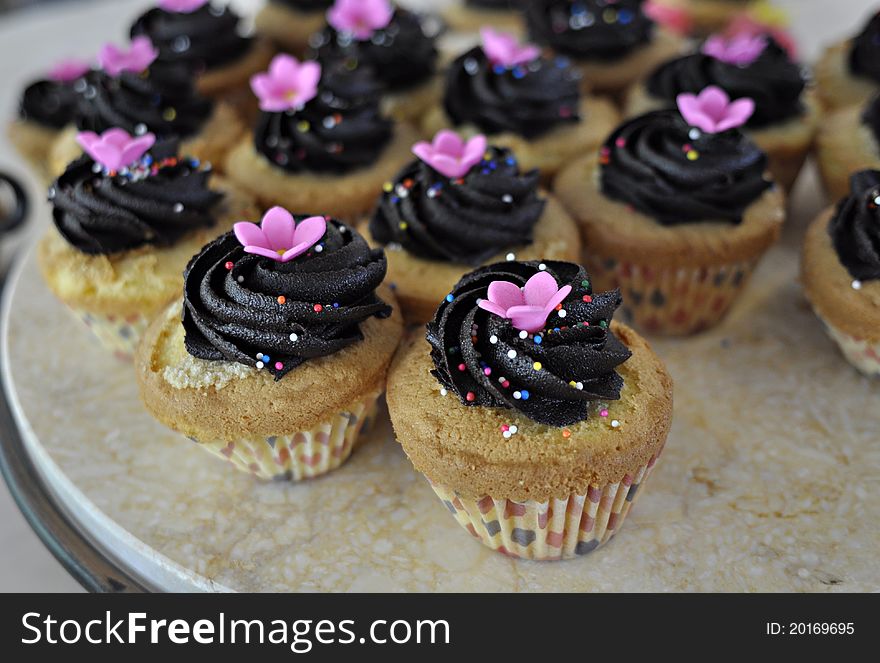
x: 284, y: 68
x: 540, y: 289
x: 737, y: 114
x: 250, y: 234
x: 474, y: 150
x: 309, y: 76
x: 448, y: 142
x: 423, y: 150
x: 182, y: 6
x: 117, y: 137
x: 86, y: 139
x: 713, y: 100
x: 263, y: 251
x: 493, y: 308
x: 69, y: 70
x: 136, y: 148
x: 527, y: 318
x: 505, y: 294
x: 309, y: 231
x: 556, y: 299
x: 278, y: 226
x: 691, y: 110
x: 446, y: 165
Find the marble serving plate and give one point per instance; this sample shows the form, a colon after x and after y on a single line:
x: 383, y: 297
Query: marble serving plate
x: 770, y: 479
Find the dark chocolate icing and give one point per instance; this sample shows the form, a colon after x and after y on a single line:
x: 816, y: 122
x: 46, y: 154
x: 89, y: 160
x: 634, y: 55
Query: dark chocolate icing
x: 677, y: 174
x: 162, y: 100
x: 528, y: 100
x: 207, y: 38
x: 49, y: 103
x: 575, y: 363
x: 340, y: 130
x: 855, y: 227
x: 773, y: 81
x: 235, y: 314
x: 589, y: 29
x: 102, y: 214
x: 464, y: 220
x: 864, y: 54
x: 401, y: 55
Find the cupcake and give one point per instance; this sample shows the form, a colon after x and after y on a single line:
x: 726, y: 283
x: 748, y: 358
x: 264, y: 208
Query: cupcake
x: 841, y: 272
x: 134, y: 93
x: 612, y: 43
x: 207, y: 38
x: 848, y: 140
x: 128, y: 215
x: 472, y: 15
x: 676, y: 211
x: 535, y: 418
x: 321, y: 141
x: 395, y: 45
x: 460, y: 205
x: 282, y: 349
x: 755, y: 66
x: 46, y: 107
x: 849, y: 71
x: 290, y: 23
x: 526, y: 102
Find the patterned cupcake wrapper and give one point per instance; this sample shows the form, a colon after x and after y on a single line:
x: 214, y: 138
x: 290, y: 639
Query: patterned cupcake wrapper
x: 863, y: 354
x: 303, y: 455
x: 551, y: 530
x: 677, y: 301
x: 119, y: 334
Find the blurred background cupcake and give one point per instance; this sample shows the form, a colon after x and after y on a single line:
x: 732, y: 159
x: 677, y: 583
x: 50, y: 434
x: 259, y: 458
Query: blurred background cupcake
x: 676, y: 211
x: 132, y: 92
x: 461, y: 204
x: 746, y: 65
x: 290, y: 23
x: 849, y: 71
x: 396, y: 45
x: 841, y: 271
x: 46, y: 107
x: 535, y: 417
x: 128, y: 215
x: 321, y: 142
x: 209, y: 39
x: 472, y: 15
x: 848, y: 141
x: 522, y: 100
x: 286, y: 337
x: 612, y: 43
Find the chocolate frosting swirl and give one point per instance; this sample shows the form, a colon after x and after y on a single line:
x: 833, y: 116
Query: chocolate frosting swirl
x: 575, y: 362
x: 50, y: 103
x: 306, y: 5
x: 773, y: 81
x: 102, y: 214
x: 529, y: 100
x: 677, y: 174
x: 204, y: 39
x: 235, y: 314
x: 467, y: 220
x: 341, y: 129
x: 864, y: 54
x: 589, y: 29
x: 162, y: 100
x: 401, y: 55
x: 855, y: 227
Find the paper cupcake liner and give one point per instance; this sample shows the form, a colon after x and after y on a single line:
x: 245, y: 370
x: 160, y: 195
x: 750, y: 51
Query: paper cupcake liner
x: 861, y: 353
x: 118, y: 333
x: 301, y: 455
x: 677, y: 301
x: 551, y: 530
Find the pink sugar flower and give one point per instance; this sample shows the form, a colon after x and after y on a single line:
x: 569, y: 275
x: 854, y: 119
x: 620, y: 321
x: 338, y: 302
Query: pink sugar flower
x: 69, y: 70
x: 739, y: 50
x: 360, y: 18
x: 288, y: 85
x: 745, y: 24
x: 182, y: 6
x: 449, y: 154
x: 529, y: 307
x: 504, y: 49
x: 279, y: 237
x: 115, y: 148
x: 140, y: 55
x: 712, y: 111
x: 674, y: 19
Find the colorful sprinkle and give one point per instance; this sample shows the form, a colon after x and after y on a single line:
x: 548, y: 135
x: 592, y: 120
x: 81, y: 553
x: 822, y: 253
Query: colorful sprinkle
x: 318, y: 308
x: 230, y: 265
x: 471, y: 397
x: 566, y: 433
x: 537, y: 366
x: 282, y: 300
x: 278, y: 365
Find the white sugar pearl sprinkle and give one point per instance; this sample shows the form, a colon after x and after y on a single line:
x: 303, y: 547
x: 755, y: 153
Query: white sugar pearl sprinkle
x: 443, y: 392
x: 562, y: 313
x: 511, y: 256
x: 857, y: 285
x: 524, y: 334
x: 513, y: 430
x: 260, y: 364
x: 511, y: 354
x: 493, y: 339
x: 294, y: 338
x: 542, y: 267
x: 615, y: 423
x: 517, y: 395
x: 580, y: 386
x: 506, y: 434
